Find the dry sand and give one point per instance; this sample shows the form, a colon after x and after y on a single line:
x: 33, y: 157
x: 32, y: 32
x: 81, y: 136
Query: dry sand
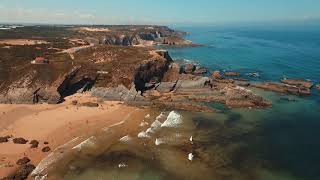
x: 56, y: 124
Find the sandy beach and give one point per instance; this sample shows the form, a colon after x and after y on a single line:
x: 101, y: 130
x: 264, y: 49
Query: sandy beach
x: 55, y: 124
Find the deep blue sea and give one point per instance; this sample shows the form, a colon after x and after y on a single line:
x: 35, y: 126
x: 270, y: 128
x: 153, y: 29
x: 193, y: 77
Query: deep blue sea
x: 275, y: 52
x: 277, y: 143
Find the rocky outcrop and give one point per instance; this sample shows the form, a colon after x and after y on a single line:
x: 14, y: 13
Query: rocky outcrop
x: 300, y: 83
x: 216, y: 75
x: 33, y: 93
x: 283, y: 88
x: 152, y: 70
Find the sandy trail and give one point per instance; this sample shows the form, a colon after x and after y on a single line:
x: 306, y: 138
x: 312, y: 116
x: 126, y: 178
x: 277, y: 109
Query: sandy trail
x: 56, y: 124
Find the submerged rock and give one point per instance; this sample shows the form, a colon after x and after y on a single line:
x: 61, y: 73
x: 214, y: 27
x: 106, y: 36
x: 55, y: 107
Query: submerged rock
x: 283, y: 88
x: 231, y: 73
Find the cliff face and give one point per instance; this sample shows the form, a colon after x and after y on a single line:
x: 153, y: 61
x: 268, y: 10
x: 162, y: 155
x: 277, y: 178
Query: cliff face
x: 103, y: 66
x: 152, y: 70
x: 137, y: 36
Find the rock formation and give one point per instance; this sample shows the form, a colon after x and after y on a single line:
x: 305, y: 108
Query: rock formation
x: 288, y: 86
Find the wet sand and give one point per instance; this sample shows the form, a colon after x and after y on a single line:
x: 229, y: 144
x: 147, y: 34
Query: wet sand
x: 55, y: 124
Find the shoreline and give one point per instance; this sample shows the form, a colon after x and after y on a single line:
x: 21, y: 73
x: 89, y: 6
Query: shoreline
x: 23, y: 121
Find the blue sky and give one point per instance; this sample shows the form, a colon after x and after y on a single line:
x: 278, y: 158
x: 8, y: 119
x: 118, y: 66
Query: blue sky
x: 157, y: 12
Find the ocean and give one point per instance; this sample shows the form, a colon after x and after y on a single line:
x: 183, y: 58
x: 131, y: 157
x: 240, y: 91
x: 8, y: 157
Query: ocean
x: 277, y: 143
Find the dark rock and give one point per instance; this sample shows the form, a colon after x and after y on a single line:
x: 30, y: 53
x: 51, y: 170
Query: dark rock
x: 23, y: 161
x: 46, y: 143
x: 164, y: 54
x: 20, y: 141
x: 34, y: 143
x: 253, y: 74
x: 189, y: 68
x: 231, y: 73
x: 4, y: 139
x: 46, y: 149
x: 22, y: 173
x: 290, y: 99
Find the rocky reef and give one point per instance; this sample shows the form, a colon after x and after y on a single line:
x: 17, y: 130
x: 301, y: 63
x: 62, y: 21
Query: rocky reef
x: 287, y: 86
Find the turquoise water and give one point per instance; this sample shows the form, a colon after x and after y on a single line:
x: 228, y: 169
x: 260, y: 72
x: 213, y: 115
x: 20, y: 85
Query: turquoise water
x: 278, y: 143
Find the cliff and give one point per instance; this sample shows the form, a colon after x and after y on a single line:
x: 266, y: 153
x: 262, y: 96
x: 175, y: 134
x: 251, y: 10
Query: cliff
x: 100, y: 66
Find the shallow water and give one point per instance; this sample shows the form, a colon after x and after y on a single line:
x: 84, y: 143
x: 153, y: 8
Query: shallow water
x: 278, y: 143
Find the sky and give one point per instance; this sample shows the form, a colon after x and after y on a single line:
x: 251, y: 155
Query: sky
x: 156, y: 11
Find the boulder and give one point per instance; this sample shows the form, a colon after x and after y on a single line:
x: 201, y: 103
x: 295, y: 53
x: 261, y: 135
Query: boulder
x: 216, y: 75
x: 34, y: 144
x: 5, y: 139
x: 189, y: 68
x: 46, y: 149
x: 20, y: 141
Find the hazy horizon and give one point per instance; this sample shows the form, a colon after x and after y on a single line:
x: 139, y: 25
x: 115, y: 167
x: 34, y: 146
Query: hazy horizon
x: 165, y: 12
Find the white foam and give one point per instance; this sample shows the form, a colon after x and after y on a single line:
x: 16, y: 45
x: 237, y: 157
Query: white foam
x: 160, y: 116
x: 173, y: 120
x: 143, y: 123
x: 150, y: 130
x: 190, y: 156
x: 122, y: 165
x: 143, y: 135
x: 156, y: 124
x: 85, y: 144
x: 147, y: 116
x: 126, y: 138
x: 159, y: 142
